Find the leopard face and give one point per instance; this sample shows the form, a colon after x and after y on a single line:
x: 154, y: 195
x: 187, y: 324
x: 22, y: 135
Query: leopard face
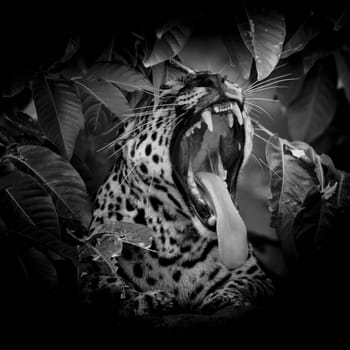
x: 177, y: 174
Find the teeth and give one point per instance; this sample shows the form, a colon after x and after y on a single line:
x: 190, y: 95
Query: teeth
x: 191, y: 130
x: 191, y: 183
x: 212, y: 220
x: 197, y: 125
x: 230, y: 119
x: 190, y: 177
x: 221, y: 170
x: 237, y: 113
x: 206, y: 116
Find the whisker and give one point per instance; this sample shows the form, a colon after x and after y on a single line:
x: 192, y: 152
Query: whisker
x: 257, y: 87
x: 267, y: 81
x: 263, y: 139
x: 262, y: 128
x: 128, y: 174
x: 262, y: 99
x: 253, y: 92
x: 259, y: 107
x: 257, y: 161
x: 267, y: 166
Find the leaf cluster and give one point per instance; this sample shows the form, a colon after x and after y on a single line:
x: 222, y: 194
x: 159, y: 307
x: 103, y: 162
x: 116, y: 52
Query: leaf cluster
x: 53, y: 161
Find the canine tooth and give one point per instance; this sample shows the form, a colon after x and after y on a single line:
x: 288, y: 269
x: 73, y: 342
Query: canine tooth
x: 237, y: 112
x: 206, y: 116
x: 221, y: 169
x: 230, y: 119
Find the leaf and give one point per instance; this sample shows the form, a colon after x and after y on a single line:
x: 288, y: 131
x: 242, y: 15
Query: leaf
x: 170, y: 41
x: 240, y: 57
x: 107, y: 54
x: 342, y: 60
x: 98, y: 118
x: 45, y: 241
x: 342, y: 199
x: 263, y: 33
x: 71, y: 48
x: 41, y: 273
x: 23, y: 123
x: 338, y: 14
x: 58, y: 177
x: 303, y: 35
x: 106, y: 93
x: 292, y: 75
x: 27, y: 203
x: 312, y: 112
x: 125, y: 77
x: 106, y: 249
x: 59, y: 112
x: 291, y: 177
x: 136, y: 234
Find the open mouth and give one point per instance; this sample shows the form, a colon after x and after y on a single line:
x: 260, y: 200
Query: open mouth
x: 212, y: 142
x: 207, y: 153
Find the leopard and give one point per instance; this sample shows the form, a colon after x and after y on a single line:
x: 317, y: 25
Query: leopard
x: 177, y: 173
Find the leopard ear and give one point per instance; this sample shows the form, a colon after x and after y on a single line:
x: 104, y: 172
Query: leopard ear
x: 177, y: 64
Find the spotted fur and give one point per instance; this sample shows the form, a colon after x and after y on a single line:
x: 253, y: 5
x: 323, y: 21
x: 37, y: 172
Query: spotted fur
x: 184, y: 272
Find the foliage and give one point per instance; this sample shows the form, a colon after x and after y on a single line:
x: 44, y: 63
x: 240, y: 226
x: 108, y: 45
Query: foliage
x: 52, y: 164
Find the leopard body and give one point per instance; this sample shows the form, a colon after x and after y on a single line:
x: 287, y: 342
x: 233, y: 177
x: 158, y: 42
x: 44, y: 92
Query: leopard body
x: 183, y: 269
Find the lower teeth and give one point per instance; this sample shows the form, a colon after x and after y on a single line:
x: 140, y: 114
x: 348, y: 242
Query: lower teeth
x: 212, y: 220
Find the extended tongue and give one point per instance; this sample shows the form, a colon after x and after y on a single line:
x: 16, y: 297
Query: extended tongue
x: 230, y: 228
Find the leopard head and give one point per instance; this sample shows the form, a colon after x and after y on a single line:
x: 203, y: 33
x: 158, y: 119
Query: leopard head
x: 181, y: 161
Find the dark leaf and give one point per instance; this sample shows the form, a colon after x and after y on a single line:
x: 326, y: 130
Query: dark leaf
x: 321, y: 47
x: 46, y: 241
x: 42, y: 275
x: 292, y: 175
x: 58, y: 177
x: 81, y: 167
x: 338, y: 14
x: 13, y: 88
x: 59, y: 112
x: 107, y: 54
x: 342, y: 198
x: 240, y: 57
x: 71, y: 48
x: 170, y: 41
x: 23, y: 123
x: 292, y: 76
x: 312, y: 112
x: 263, y: 33
x: 303, y: 35
x: 123, y: 76
x: 342, y: 60
x: 27, y: 203
x: 106, y: 93
x: 98, y: 118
